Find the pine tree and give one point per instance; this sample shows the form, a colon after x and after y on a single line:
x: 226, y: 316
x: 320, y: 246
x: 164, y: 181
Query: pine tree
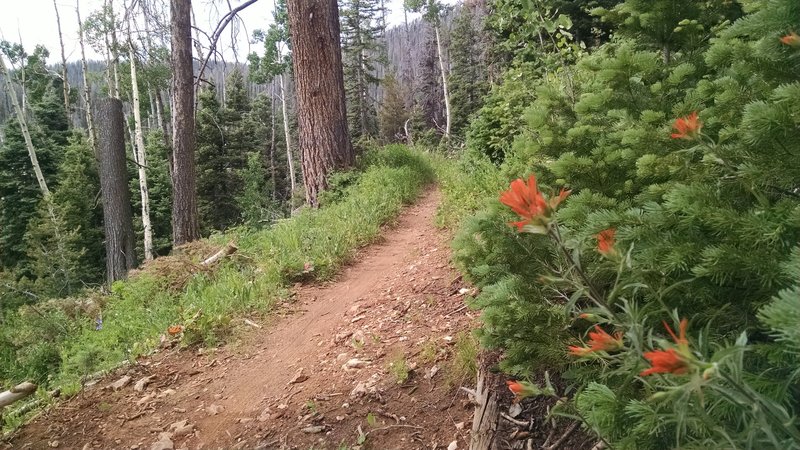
x: 362, y: 48
x: 393, y: 114
x: 69, y: 255
x: 467, y: 79
x: 224, y: 138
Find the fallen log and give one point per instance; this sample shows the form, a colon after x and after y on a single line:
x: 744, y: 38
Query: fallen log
x: 18, y: 392
x: 487, y: 413
x: 229, y: 249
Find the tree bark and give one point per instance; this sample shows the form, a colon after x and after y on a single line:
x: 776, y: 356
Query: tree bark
x: 185, y: 224
x: 117, y: 216
x: 487, y: 414
x: 141, y: 154
x: 287, y: 135
x: 317, y: 58
x: 23, y: 125
x: 18, y: 392
x: 87, y: 93
x: 444, y: 83
x: 65, y: 82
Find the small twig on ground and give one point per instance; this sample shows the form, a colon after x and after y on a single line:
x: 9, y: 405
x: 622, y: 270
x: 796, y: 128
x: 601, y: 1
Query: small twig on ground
x: 521, y: 423
x: 391, y: 426
x: 563, y: 437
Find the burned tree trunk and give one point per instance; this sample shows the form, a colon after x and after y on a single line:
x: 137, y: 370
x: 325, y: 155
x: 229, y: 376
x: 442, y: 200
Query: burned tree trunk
x: 117, y: 216
x: 319, y: 84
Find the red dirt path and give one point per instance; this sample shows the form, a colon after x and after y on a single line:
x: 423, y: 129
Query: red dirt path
x: 399, y: 303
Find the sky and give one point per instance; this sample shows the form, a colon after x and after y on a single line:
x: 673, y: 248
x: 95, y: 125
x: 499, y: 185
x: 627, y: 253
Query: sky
x: 34, y: 21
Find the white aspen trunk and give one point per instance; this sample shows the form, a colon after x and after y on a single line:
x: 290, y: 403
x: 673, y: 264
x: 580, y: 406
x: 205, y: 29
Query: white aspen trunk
x: 65, y: 83
x: 141, y: 159
x: 286, y: 133
x: 87, y: 93
x: 23, y: 125
x: 444, y: 83
x: 18, y: 392
x: 114, y: 49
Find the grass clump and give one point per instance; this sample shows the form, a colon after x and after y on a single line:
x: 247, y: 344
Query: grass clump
x: 56, y: 344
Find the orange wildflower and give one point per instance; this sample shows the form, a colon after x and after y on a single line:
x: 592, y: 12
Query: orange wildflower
x: 665, y: 361
x: 599, y: 340
x: 575, y: 350
x: 687, y: 127
x: 791, y: 39
x: 529, y: 203
x: 174, y: 329
x: 676, y: 360
x: 515, y: 387
x: 605, y: 241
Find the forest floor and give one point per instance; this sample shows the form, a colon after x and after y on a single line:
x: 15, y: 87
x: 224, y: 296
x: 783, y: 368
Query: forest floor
x: 374, y: 357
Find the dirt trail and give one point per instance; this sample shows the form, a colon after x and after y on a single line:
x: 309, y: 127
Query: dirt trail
x: 370, y: 354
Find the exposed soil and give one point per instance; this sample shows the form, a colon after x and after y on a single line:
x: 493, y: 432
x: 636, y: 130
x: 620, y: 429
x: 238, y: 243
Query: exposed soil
x: 330, y: 367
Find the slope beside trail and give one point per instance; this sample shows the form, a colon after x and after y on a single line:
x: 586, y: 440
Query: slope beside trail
x: 371, y: 354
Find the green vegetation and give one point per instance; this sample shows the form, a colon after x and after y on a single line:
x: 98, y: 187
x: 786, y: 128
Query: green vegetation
x: 702, y: 225
x: 59, y: 343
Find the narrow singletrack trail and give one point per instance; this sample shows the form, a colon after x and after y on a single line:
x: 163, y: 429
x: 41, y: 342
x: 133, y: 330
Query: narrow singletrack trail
x: 374, y: 353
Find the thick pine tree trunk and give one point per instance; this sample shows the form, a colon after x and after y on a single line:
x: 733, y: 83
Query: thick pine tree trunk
x: 444, y: 82
x: 185, y: 224
x: 287, y: 135
x: 117, y: 216
x: 322, y: 117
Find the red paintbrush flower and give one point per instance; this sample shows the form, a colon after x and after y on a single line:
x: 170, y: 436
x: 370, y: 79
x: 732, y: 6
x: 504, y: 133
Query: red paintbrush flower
x: 599, y: 340
x: 687, y: 127
x: 575, y: 350
x: 605, y: 241
x: 529, y: 203
x: 791, y: 39
x: 672, y: 360
x: 665, y: 361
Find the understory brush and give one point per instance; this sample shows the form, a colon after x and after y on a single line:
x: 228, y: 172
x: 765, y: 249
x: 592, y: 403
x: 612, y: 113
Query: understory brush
x: 64, y: 343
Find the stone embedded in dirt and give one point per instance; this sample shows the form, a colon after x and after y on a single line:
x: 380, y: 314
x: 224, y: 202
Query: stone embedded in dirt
x: 181, y: 428
x: 453, y: 445
x: 340, y: 337
x: 341, y: 357
x: 213, y: 409
x: 164, y: 442
x: 165, y: 393
x: 354, y: 364
x: 298, y: 377
x: 432, y: 372
x: 460, y: 426
x: 121, y: 383
x: 514, y: 410
x: 359, y: 339
x: 265, y: 414
x: 314, y: 429
x: 141, y: 384
x: 359, y: 391
x: 54, y: 444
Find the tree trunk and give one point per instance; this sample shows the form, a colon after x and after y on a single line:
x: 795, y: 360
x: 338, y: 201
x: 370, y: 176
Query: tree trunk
x: 117, y: 216
x: 141, y: 155
x: 23, y: 125
x: 287, y: 135
x: 185, y: 225
x: 444, y: 83
x: 114, y: 48
x: 317, y: 57
x: 87, y: 93
x: 18, y: 392
x: 65, y: 82
x: 271, y: 156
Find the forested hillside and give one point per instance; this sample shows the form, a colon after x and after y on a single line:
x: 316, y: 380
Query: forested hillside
x: 619, y: 178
